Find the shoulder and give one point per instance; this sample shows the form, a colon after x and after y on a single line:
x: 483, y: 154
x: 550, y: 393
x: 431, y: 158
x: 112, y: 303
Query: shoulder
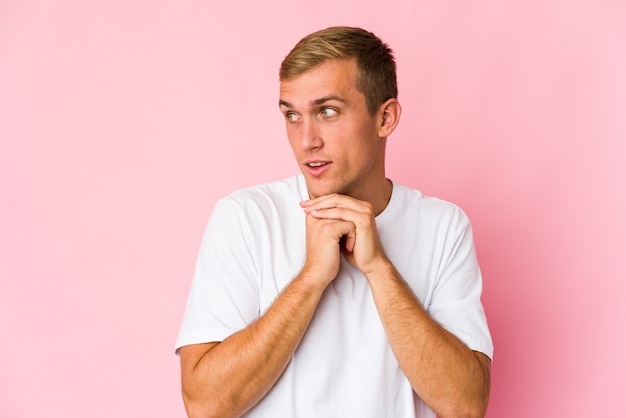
x: 288, y: 188
x: 264, y: 196
x: 261, y: 205
x: 430, y: 209
x: 252, y: 212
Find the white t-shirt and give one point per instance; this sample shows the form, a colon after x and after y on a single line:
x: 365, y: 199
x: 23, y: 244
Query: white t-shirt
x: 344, y: 367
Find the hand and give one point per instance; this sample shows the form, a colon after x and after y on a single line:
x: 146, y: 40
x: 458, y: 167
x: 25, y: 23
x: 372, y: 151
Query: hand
x: 359, y: 241
x: 323, y: 255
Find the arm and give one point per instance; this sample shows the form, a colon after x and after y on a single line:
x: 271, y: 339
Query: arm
x: 228, y: 378
x: 448, y: 376
x: 444, y: 372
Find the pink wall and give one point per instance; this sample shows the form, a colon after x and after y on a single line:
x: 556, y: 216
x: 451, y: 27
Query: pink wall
x: 121, y: 123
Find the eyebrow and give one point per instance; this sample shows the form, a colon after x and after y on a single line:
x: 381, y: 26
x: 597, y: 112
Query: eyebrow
x: 315, y: 102
x: 325, y: 99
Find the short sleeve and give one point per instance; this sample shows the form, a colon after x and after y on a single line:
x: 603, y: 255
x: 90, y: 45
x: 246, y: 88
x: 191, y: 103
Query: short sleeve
x: 223, y: 298
x: 456, y: 303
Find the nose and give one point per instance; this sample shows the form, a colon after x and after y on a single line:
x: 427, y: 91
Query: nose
x: 310, y: 135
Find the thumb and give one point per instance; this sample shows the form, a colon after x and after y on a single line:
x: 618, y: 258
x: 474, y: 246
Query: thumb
x: 350, y: 239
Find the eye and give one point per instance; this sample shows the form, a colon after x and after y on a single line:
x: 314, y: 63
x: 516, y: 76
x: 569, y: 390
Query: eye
x: 291, y: 117
x: 328, y: 112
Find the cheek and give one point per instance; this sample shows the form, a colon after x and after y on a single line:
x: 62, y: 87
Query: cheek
x: 337, y: 135
x: 295, y: 150
x: 291, y: 138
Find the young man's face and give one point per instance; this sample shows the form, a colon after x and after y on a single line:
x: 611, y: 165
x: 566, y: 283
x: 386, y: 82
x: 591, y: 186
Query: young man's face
x: 334, y: 138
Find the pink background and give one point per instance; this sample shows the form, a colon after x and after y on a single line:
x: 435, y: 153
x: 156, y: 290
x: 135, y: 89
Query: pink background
x: 121, y: 123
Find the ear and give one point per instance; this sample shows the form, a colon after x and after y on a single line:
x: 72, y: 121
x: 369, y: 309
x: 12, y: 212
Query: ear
x: 390, y: 116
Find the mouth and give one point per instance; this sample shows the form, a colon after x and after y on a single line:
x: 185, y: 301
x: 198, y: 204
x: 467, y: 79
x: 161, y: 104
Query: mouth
x: 315, y: 164
x: 316, y: 168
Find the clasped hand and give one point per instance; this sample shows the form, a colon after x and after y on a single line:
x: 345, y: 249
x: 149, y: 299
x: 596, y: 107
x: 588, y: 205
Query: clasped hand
x: 338, y: 224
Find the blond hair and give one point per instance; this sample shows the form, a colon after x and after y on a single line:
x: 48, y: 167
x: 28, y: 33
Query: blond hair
x: 376, y: 74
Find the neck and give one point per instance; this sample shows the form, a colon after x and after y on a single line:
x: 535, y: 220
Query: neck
x: 379, y: 199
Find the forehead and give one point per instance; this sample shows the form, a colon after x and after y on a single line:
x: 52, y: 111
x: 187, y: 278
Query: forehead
x: 331, y: 78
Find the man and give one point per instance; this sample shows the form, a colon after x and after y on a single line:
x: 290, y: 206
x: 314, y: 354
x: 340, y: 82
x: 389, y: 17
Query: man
x: 336, y: 293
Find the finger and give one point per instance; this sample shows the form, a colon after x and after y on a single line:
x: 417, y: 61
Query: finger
x: 350, y: 240
x: 343, y: 214
x: 335, y: 228
x: 336, y: 201
x: 308, y: 203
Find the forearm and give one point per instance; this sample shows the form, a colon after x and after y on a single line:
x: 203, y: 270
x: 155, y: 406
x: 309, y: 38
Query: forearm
x: 230, y: 377
x: 444, y: 372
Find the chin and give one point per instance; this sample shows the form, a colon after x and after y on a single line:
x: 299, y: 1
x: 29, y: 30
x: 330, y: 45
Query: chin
x: 317, y: 190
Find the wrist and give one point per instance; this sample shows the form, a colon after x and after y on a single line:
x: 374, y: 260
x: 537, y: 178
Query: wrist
x: 380, y: 269
x: 311, y: 282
